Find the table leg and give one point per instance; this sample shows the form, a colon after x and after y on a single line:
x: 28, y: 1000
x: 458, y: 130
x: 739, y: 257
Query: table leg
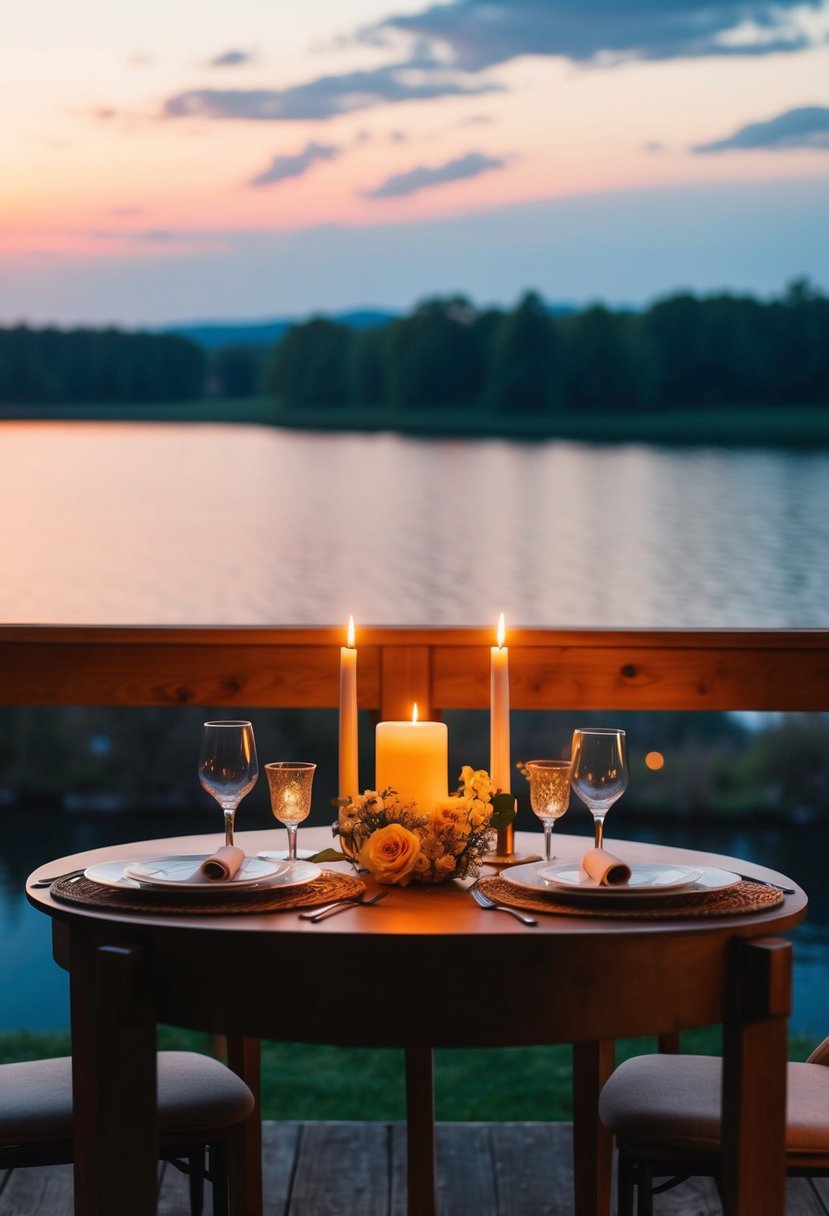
x: 113, y: 1081
x: 592, y: 1146
x: 754, y: 1078
x: 245, y: 1148
x: 421, y: 1159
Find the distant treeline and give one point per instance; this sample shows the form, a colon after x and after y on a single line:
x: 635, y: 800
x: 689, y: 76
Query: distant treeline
x: 98, y: 365
x: 682, y: 352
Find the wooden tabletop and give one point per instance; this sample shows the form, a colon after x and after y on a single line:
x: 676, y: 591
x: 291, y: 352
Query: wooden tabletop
x: 417, y: 910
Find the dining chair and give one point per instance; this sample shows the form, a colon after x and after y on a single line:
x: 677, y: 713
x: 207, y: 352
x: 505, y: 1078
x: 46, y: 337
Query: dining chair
x: 200, y: 1105
x: 664, y: 1111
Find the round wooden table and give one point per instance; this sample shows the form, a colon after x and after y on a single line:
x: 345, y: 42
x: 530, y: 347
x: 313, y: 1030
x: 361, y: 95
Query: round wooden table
x: 425, y: 968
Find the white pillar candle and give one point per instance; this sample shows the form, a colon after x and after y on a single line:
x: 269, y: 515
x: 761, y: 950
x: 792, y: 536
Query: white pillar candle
x: 499, y: 758
x: 413, y: 759
x: 349, y: 775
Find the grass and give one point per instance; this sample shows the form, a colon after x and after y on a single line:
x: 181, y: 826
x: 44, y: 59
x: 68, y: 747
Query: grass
x: 771, y: 426
x: 262, y: 411
x: 793, y: 426
x: 307, y: 1082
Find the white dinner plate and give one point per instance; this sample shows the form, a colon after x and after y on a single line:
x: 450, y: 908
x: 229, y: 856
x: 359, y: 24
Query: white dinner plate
x: 182, y: 871
x: 258, y: 876
x: 694, y: 880
x: 569, y: 876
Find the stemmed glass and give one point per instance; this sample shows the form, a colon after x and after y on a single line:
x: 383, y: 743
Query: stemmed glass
x: 549, y: 794
x: 228, y: 767
x: 290, y: 784
x: 599, y: 771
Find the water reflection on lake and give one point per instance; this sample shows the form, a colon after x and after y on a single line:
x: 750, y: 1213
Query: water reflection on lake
x: 168, y: 524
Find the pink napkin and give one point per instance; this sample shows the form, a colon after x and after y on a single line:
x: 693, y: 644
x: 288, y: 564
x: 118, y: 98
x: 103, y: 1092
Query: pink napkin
x: 223, y: 864
x: 605, y: 869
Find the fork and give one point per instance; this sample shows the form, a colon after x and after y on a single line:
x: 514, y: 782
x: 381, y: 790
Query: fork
x: 340, y: 906
x: 485, y: 902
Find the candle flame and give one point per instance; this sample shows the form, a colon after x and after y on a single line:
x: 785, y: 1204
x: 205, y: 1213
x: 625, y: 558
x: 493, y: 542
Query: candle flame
x: 414, y: 712
x: 350, y: 636
x: 502, y: 630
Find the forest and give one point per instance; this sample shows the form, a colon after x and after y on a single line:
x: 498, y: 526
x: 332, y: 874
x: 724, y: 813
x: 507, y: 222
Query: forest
x: 682, y: 352
x: 88, y: 365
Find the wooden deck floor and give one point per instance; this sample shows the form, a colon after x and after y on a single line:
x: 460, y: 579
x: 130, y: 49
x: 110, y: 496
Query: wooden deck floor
x: 358, y: 1169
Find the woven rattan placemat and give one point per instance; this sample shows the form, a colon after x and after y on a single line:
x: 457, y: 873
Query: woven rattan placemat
x: 743, y: 897
x: 323, y: 890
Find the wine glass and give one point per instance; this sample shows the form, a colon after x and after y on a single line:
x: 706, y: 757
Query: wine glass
x: 549, y: 794
x: 228, y: 767
x: 599, y: 772
x: 290, y: 784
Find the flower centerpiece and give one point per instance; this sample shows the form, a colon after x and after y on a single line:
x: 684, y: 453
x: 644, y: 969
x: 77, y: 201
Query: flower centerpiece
x: 400, y: 842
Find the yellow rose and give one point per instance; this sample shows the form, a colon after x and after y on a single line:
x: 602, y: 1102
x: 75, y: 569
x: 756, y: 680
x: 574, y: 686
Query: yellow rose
x: 390, y: 854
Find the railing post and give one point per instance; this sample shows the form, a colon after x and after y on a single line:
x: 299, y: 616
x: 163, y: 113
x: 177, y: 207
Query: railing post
x: 405, y: 679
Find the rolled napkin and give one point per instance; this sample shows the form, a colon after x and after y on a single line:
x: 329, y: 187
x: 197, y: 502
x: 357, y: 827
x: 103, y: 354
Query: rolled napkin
x: 605, y: 869
x: 221, y: 865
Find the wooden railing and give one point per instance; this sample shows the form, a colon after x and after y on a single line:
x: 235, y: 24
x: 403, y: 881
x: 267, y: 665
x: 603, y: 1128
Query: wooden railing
x: 441, y: 669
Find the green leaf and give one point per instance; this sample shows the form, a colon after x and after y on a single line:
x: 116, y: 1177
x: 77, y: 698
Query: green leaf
x: 329, y: 855
x: 503, y: 810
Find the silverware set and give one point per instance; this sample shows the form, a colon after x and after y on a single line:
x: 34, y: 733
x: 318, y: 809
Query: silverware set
x: 484, y: 901
x: 341, y: 905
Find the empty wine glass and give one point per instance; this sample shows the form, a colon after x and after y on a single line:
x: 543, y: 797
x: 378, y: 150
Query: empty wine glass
x: 549, y: 794
x: 228, y: 767
x: 599, y: 771
x: 290, y: 784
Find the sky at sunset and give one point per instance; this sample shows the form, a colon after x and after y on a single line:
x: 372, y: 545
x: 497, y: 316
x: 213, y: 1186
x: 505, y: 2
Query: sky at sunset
x: 175, y: 160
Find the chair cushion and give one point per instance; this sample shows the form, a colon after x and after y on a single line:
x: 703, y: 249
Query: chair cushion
x: 673, y: 1102
x: 196, y: 1094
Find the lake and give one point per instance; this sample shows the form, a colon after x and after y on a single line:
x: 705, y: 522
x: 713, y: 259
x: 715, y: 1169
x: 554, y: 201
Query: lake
x: 195, y: 525
x: 126, y: 523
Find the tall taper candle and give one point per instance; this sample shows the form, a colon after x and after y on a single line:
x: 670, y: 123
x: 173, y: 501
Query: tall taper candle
x: 499, y: 740
x: 349, y: 786
x: 499, y: 761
